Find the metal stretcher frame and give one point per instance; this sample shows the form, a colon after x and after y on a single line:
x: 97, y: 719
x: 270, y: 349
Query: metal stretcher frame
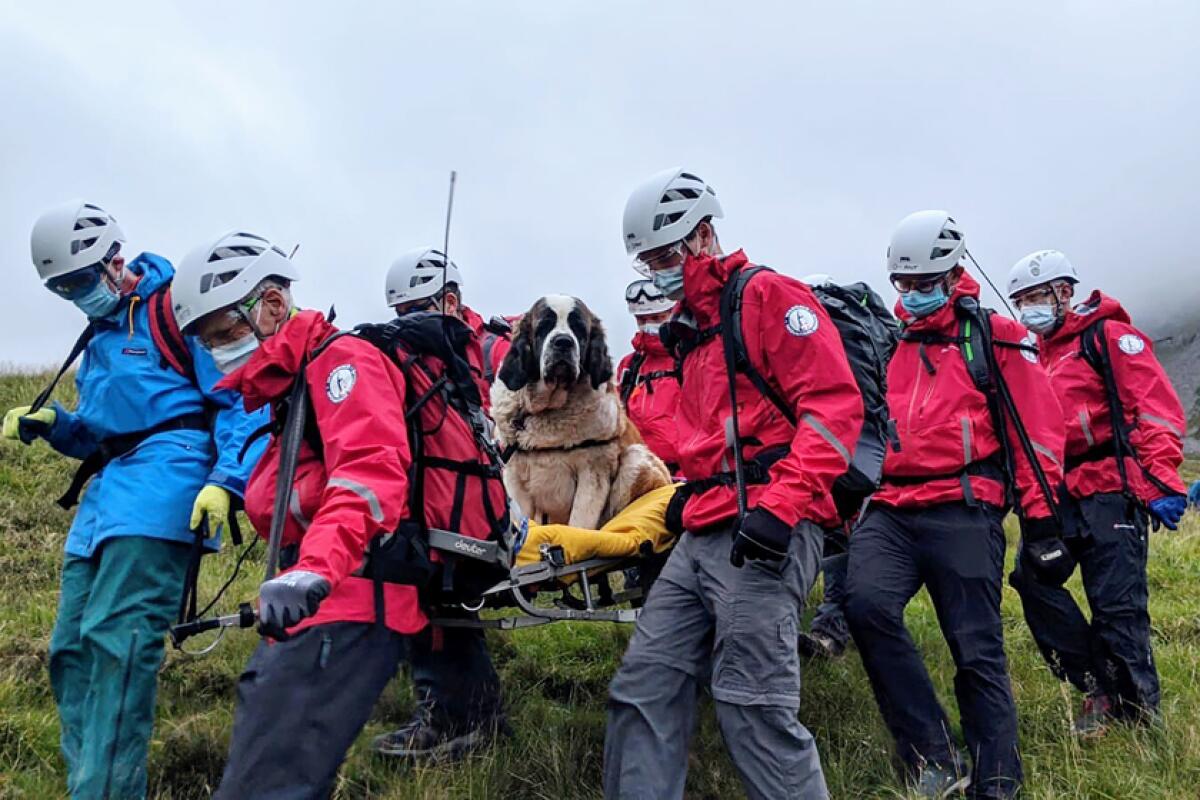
x: 596, y: 603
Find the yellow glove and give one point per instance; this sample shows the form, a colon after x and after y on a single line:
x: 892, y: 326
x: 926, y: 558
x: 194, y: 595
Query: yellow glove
x: 41, y: 421
x: 213, y: 502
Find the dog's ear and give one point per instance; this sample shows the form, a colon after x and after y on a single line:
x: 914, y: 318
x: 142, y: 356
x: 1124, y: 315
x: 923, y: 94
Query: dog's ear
x: 519, y: 367
x: 597, y: 363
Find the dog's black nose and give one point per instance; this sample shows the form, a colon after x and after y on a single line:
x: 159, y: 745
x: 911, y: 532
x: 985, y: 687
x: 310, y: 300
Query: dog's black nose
x: 562, y: 341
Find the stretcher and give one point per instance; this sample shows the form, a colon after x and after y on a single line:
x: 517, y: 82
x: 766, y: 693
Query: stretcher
x: 558, y: 573
x: 575, y: 568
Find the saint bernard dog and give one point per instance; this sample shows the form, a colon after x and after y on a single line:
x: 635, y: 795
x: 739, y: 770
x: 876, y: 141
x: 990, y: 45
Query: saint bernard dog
x: 573, y: 455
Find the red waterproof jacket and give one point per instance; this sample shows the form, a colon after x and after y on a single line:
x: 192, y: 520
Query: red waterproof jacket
x: 943, y: 425
x: 1153, y: 412
x: 654, y: 397
x: 792, y: 342
x: 366, y: 480
x: 360, y: 489
x: 486, y: 353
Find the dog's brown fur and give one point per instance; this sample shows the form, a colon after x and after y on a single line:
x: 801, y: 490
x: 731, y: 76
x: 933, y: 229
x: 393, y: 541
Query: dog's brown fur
x: 578, y: 458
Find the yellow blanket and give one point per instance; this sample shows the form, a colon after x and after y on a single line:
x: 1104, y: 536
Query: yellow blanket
x: 643, y: 520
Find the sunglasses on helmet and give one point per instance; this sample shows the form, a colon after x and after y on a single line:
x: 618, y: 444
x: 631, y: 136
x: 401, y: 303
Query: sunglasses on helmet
x: 76, y: 284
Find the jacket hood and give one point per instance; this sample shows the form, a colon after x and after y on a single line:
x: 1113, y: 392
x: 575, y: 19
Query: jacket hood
x: 1098, y: 305
x: 649, y: 344
x: 944, y: 318
x: 473, y: 320
x: 703, y: 279
x: 156, y: 272
x: 269, y: 373
x: 153, y: 271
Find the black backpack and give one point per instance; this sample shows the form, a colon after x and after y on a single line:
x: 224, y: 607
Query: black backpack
x: 467, y: 566
x: 869, y: 334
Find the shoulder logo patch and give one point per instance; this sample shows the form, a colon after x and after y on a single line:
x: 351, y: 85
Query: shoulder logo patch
x: 1131, y: 344
x: 801, y: 321
x: 340, y: 383
x: 1029, y: 341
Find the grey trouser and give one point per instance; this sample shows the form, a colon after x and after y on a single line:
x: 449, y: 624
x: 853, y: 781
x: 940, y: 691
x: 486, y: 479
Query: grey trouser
x: 707, y: 621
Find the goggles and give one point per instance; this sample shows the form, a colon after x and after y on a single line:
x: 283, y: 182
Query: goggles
x: 923, y: 284
x: 77, y: 284
x: 641, y: 292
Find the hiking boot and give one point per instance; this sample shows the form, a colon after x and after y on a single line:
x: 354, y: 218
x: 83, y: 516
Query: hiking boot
x: 424, y: 739
x: 1097, y: 715
x: 819, y: 645
x: 939, y: 781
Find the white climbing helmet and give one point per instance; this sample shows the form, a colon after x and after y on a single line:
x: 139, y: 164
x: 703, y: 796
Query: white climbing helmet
x: 643, y: 297
x: 219, y: 274
x: 71, y: 236
x: 925, y: 243
x: 1038, y: 268
x: 665, y: 209
x: 418, y: 274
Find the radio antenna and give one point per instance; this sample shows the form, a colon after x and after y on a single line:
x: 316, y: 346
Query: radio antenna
x: 1003, y: 299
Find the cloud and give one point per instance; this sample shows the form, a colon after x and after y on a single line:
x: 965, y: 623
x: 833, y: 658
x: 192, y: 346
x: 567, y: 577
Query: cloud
x: 1066, y: 125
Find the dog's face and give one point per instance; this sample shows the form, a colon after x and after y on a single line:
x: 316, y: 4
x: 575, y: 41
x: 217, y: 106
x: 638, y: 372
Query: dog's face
x: 558, y: 342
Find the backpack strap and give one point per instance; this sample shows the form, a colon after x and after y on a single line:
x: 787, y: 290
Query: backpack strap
x: 731, y: 323
x: 1094, y: 350
x: 629, y: 379
x: 80, y: 345
x: 489, y: 344
x: 166, y: 334
x: 979, y: 354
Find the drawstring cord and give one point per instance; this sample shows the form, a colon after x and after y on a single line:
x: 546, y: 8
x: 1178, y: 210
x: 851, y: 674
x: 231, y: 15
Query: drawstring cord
x: 133, y: 300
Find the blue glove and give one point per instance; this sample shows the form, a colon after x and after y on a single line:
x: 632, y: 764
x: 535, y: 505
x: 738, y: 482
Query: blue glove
x: 1194, y: 494
x: 1169, y: 510
x: 287, y: 599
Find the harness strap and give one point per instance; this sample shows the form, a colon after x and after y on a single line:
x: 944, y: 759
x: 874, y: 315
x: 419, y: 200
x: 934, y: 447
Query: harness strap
x: 80, y: 345
x: 514, y: 448
x: 166, y: 334
x: 117, y: 446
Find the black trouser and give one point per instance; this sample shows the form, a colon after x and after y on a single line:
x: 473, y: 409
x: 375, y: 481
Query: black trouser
x: 830, y: 619
x: 300, y: 705
x: 452, y: 672
x: 957, y: 552
x: 1111, y: 654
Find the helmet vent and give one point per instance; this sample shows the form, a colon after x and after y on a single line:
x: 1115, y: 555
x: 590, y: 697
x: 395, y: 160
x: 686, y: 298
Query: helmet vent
x: 689, y: 176
x: 90, y: 222
x: 236, y: 251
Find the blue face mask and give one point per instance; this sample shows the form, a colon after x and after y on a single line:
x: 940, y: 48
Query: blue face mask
x: 1039, y: 319
x: 229, y: 357
x: 99, y: 302
x: 922, y: 304
x: 669, y: 281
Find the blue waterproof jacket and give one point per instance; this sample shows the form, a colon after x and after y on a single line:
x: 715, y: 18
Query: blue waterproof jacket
x: 125, y: 387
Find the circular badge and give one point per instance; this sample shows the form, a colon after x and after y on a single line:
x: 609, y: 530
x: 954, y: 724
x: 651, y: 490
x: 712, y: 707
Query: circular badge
x: 1131, y: 344
x: 340, y: 383
x: 801, y: 321
x: 1030, y: 341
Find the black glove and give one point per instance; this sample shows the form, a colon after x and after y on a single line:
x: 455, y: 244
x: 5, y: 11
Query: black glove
x: 762, y: 535
x: 674, y: 515
x: 287, y: 599
x: 1044, y: 553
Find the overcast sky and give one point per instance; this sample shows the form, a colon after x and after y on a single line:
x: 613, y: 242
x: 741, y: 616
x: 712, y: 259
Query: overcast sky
x: 1068, y: 125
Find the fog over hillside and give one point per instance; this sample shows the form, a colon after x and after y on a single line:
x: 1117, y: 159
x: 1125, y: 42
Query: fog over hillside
x: 1065, y: 125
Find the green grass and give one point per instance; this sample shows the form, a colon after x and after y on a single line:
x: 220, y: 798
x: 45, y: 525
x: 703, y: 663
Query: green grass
x: 555, y: 680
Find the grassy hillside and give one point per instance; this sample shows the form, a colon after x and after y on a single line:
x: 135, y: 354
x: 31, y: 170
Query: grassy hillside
x: 555, y: 678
